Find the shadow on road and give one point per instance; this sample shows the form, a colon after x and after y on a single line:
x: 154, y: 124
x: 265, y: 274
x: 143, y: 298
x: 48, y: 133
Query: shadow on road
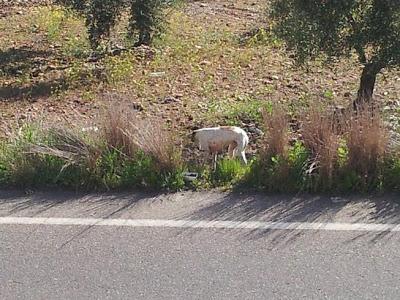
x: 104, y: 205
x: 302, y: 208
x: 211, y: 206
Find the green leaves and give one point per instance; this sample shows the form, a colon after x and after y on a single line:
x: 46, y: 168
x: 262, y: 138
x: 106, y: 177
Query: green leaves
x: 335, y: 28
x: 146, y: 18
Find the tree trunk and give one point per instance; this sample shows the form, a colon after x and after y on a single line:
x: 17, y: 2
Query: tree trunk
x: 367, y: 85
x: 144, y: 38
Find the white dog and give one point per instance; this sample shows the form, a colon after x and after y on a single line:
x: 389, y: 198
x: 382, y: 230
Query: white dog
x: 216, y: 139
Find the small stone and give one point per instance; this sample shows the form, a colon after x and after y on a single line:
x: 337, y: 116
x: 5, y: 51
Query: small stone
x: 157, y: 74
x: 178, y: 95
x: 205, y: 63
x: 275, y: 77
x: 51, y: 67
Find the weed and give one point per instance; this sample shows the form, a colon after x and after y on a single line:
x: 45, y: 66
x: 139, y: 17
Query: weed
x: 282, y: 174
x: 63, y: 27
x: 119, y: 69
x: 228, y: 172
x: 321, y: 139
x: 367, y: 143
x: 260, y: 36
x: 276, y: 126
x: 244, y: 110
x: 51, y: 20
x: 125, y: 152
x: 391, y: 173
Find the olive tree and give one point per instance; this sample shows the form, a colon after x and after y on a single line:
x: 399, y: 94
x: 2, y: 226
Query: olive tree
x: 335, y: 28
x: 146, y: 17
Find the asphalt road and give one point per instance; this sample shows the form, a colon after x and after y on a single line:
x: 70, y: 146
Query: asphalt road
x: 129, y: 262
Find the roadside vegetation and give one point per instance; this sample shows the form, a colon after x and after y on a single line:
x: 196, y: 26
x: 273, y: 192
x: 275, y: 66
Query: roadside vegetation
x: 97, y: 107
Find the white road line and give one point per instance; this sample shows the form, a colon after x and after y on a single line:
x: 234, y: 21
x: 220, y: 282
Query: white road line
x: 201, y: 224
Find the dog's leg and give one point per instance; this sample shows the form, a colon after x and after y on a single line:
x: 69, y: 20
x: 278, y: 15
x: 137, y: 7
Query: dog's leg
x: 215, y: 160
x: 243, y: 155
x: 231, y: 150
x: 235, y: 152
x: 240, y: 151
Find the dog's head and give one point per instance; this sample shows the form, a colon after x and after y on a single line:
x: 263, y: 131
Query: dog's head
x: 195, y: 137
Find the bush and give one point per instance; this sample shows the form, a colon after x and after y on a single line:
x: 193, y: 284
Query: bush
x: 146, y: 18
x: 321, y: 139
x: 345, y: 154
x: 391, y: 174
x: 101, y: 16
x: 122, y: 151
x: 280, y: 166
x: 281, y: 174
x: 276, y: 127
x: 367, y: 142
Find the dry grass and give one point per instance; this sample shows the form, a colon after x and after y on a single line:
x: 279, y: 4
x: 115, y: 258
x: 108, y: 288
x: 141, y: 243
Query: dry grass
x: 114, y: 123
x: 68, y: 145
x: 367, y: 142
x: 119, y: 129
x: 321, y: 139
x: 276, y: 125
x: 122, y: 128
x: 153, y: 139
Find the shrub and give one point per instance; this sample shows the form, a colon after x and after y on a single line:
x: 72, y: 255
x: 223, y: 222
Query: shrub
x: 391, y: 173
x: 123, y: 151
x: 320, y: 138
x: 146, y: 18
x: 157, y: 142
x: 101, y: 16
x: 276, y: 126
x: 114, y: 124
x: 367, y: 143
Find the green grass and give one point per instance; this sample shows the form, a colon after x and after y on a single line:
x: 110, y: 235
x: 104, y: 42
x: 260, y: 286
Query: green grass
x: 62, y: 28
x: 245, y: 109
x: 87, y: 164
x: 229, y: 172
x: 96, y: 166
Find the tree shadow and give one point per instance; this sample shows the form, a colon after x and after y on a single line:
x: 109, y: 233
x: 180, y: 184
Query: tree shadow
x: 32, y: 91
x: 96, y: 205
x: 15, y: 62
x: 302, y: 208
x: 103, y: 205
x: 211, y: 206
